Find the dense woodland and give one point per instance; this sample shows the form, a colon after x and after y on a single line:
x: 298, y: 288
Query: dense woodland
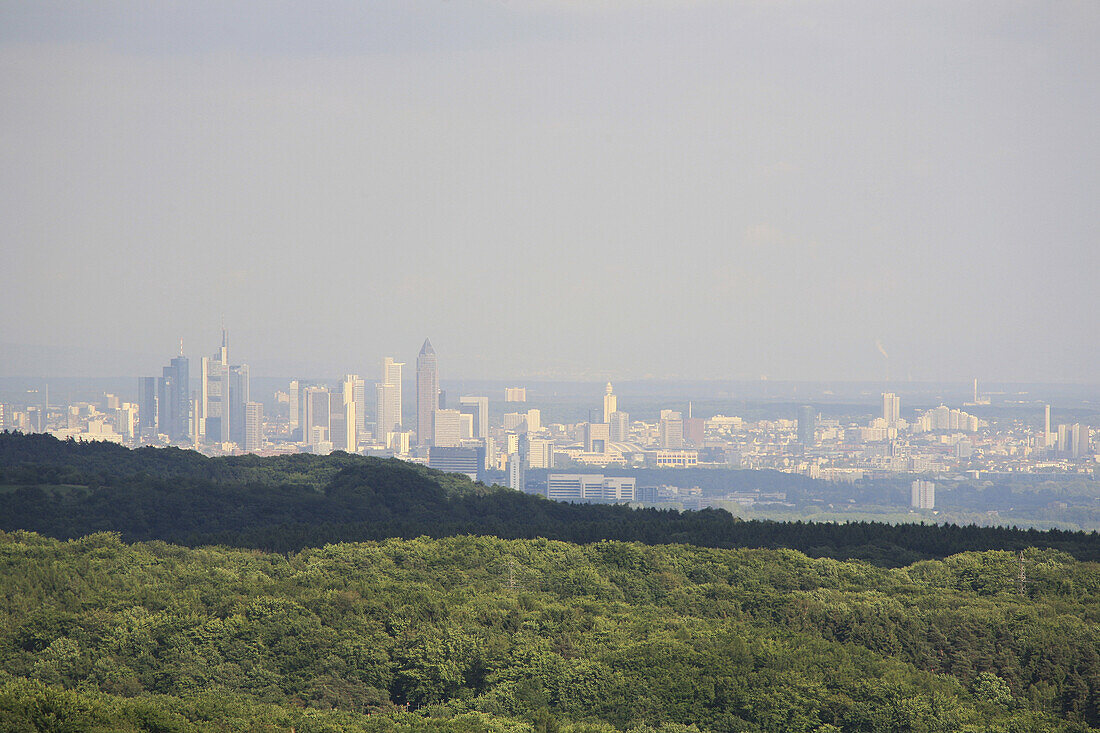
x: 479, y: 634
x: 370, y: 595
x: 283, y: 504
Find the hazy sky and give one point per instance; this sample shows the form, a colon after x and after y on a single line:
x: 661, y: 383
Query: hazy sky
x: 675, y: 189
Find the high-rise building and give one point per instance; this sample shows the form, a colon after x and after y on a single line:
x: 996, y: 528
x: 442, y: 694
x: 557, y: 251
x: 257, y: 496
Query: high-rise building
x: 215, y: 394
x: 341, y: 418
x: 447, y: 428
x: 355, y: 390
x: 620, y: 426
x: 147, y: 407
x: 173, y: 408
x: 923, y: 495
x: 670, y: 429
x: 316, y: 421
x: 540, y: 453
x: 293, y: 394
x: 596, y: 437
x: 807, y: 425
x: 239, y: 397
x: 515, y: 421
x: 515, y: 394
x: 253, y: 426
x: 388, y: 400
x: 891, y: 409
x: 534, y: 420
x: 427, y: 392
x: 478, y: 407
x: 514, y: 468
x: 610, y: 403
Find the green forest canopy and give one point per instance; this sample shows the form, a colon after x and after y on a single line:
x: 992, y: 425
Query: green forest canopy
x: 476, y: 633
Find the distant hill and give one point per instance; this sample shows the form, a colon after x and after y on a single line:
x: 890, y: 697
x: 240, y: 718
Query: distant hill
x: 66, y: 489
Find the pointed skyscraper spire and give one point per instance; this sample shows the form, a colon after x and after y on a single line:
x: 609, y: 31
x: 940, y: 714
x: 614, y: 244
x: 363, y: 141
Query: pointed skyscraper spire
x: 427, y: 393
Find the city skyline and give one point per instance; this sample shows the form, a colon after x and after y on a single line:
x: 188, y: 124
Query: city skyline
x: 712, y: 191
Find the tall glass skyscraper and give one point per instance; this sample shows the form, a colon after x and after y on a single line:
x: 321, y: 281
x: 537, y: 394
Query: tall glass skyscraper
x: 427, y: 392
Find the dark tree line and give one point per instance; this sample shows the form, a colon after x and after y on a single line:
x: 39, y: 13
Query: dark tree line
x: 286, y: 503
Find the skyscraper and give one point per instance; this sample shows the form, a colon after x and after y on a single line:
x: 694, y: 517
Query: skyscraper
x: 316, y: 422
x: 341, y: 414
x: 447, y: 428
x: 427, y: 392
x: 173, y: 406
x: 891, y: 409
x: 253, y: 426
x: 355, y: 389
x: 215, y: 394
x: 620, y: 426
x: 239, y: 393
x: 388, y: 400
x: 478, y: 407
x: 147, y: 406
x: 610, y: 403
x: 807, y: 425
x: 670, y: 429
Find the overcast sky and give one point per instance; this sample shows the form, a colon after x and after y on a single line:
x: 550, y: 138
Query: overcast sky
x: 554, y: 190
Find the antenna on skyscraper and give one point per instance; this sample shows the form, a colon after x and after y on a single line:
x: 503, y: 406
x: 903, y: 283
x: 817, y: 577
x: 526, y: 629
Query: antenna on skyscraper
x: 181, y: 345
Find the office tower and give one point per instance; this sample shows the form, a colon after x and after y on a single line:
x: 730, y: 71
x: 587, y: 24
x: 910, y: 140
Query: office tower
x: 126, y: 419
x: 620, y: 426
x: 316, y: 415
x: 478, y: 407
x: 147, y: 406
x: 540, y: 453
x: 515, y: 394
x: 341, y: 418
x: 923, y: 495
x: 427, y: 392
x: 388, y: 400
x: 1046, y: 427
x: 447, y: 428
x: 466, y: 424
x: 891, y: 409
x: 172, y: 411
x: 164, y: 402
x: 807, y: 425
x: 355, y: 389
x: 596, y: 437
x: 1082, y: 442
x: 514, y: 468
x: 253, y: 426
x: 515, y: 420
x: 534, y: 420
x: 215, y: 394
x: 975, y: 390
x: 239, y: 396
x: 610, y: 403
x: 670, y: 429
x: 293, y: 393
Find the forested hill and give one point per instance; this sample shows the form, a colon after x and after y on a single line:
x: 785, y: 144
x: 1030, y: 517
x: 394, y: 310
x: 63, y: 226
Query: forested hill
x: 481, y: 635
x: 68, y: 490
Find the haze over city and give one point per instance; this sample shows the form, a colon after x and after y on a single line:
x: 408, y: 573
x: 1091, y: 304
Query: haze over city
x: 556, y: 190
